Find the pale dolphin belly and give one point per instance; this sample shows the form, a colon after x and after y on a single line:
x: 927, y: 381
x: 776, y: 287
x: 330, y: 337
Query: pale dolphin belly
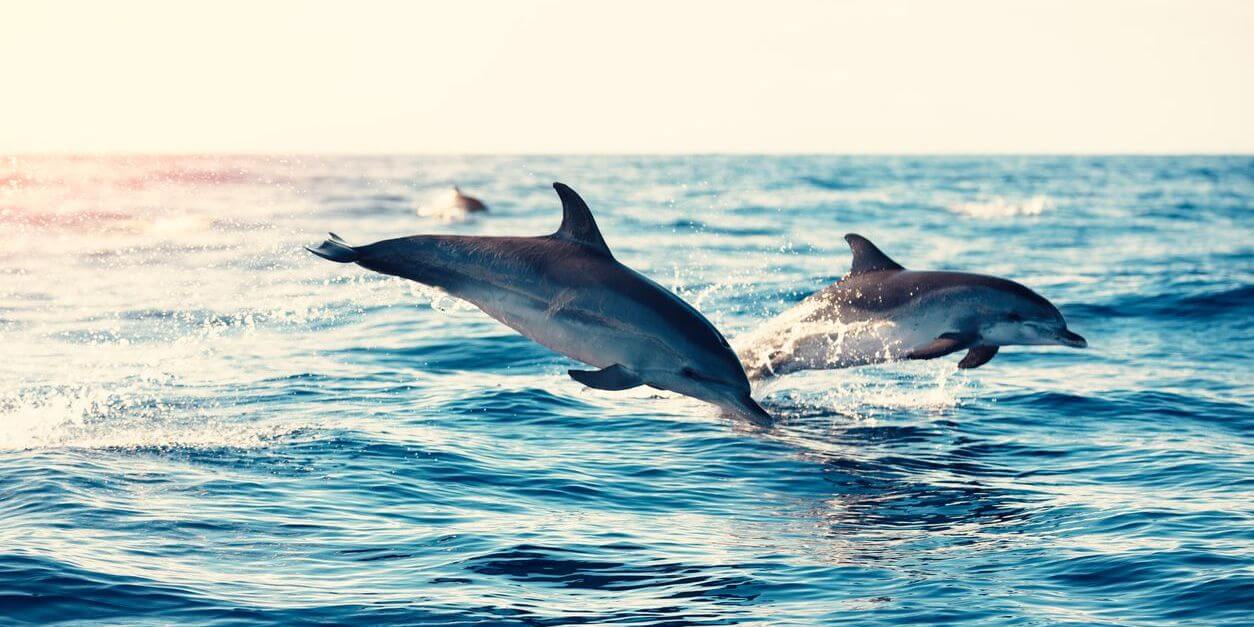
x: 544, y: 323
x: 570, y: 322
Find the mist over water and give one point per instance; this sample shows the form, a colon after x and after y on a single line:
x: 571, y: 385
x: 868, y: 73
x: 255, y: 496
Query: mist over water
x: 200, y: 421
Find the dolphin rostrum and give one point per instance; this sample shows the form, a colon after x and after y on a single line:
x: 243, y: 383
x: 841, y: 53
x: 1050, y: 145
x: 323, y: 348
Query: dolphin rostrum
x: 567, y: 292
x: 882, y: 312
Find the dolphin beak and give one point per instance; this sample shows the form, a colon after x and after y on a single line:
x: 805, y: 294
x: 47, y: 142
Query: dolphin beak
x: 1074, y: 340
x: 749, y: 409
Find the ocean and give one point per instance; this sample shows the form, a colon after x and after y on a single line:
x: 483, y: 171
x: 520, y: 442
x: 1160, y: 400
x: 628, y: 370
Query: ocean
x: 202, y: 423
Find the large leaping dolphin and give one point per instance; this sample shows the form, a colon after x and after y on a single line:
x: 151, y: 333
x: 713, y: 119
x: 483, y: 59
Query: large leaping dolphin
x: 882, y: 312
x: 567, y: 292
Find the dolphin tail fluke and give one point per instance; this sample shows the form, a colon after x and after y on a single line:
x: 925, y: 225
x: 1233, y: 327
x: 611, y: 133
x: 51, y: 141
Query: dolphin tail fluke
x: 335, y: 249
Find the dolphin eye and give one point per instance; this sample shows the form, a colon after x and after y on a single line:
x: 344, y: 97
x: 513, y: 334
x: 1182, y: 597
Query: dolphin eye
x: 1014, y: 317
x: 689, y: 373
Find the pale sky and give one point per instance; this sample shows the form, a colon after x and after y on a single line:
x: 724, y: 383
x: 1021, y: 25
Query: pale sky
x: 842, y: 76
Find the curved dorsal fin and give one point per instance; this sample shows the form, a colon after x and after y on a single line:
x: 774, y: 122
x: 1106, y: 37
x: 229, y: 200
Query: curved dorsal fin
x: 868, y: 258
x: 577, y: 223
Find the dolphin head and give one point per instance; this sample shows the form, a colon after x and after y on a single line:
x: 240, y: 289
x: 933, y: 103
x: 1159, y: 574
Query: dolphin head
x: 716, y: 377
x: 1014, y: 314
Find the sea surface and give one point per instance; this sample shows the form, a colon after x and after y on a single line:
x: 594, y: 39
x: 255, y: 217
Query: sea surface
x: 201, y: 423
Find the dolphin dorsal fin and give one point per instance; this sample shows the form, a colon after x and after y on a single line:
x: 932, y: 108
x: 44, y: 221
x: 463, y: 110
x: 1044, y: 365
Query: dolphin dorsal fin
x: 868, y: 258
x: 577, y: 223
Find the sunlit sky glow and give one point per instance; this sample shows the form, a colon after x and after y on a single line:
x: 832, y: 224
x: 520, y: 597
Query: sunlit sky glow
x: 632, y: 77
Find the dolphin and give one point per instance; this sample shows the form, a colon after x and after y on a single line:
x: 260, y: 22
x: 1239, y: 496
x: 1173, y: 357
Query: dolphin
x: 452, y: 205
x: 469, y: 204
x: 566, y: 291
x: 883, y: 312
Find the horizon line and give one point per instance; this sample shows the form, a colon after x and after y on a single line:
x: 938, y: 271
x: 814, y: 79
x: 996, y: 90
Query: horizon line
x: 307, y: 153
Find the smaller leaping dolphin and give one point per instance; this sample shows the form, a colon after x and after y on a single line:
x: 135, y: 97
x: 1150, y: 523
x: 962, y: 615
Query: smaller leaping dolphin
x: 567, y: 292
x: 883, y: 312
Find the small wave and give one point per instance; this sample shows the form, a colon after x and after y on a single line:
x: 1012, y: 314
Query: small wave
x: 1224, y: 301
x: 1194, y: 305
x: 568, y: 568
x: 128, y: 418
x: 1000, y: 207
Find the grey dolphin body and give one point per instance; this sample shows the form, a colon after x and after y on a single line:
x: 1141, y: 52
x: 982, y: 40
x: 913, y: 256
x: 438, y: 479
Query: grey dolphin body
x: 883, y: 312
x: 567, y: 292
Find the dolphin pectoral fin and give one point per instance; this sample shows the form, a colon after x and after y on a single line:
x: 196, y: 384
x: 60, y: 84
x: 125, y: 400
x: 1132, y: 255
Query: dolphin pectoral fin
x: 945, y: 344
x: 978, y: 356
x: 615, y: 377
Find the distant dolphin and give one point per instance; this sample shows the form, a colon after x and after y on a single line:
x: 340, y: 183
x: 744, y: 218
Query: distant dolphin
x: 567, y: 292
x: 469, y: 204
x: 882, y: 312
x: 451, y: 205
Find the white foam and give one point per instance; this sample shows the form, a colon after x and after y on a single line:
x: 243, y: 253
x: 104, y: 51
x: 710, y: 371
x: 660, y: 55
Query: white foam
x: 999, y: 207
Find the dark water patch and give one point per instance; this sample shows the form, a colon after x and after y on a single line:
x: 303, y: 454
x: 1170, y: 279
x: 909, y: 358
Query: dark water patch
x: 389, y: 198
x: 567, y: 568
x: 1220, y: 597
x: 41, y: 590
x: 834, y: 183
x: 1141, y: 406
x: 1152, y: 579
x: 45, y: 591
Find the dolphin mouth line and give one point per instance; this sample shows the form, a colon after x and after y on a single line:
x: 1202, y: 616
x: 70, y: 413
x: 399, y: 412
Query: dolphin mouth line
x: 750, y: 410
x: 1074, y: 340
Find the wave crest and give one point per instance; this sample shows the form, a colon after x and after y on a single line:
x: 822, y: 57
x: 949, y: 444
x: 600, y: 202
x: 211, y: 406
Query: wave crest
x: 1001, y: 207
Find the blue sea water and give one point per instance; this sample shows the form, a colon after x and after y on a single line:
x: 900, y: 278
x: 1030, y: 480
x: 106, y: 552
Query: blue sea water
x: 202, y: 423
